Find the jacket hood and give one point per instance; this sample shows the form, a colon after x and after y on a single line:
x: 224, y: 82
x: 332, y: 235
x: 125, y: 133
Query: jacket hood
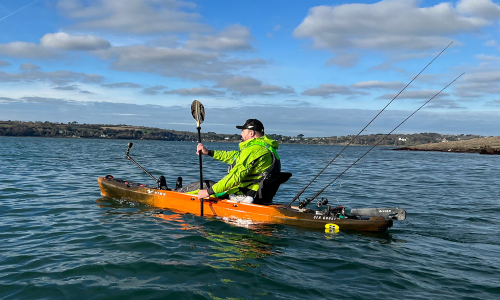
x: 263, y: 139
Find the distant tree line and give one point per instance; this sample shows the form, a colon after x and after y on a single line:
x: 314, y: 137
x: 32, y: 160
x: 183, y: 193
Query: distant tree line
x: 381, y: 139
x: 76, y: 130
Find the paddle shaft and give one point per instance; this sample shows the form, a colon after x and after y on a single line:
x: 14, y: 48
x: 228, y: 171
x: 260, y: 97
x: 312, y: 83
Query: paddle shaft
x: 198, y: 112
x: 201, y: 170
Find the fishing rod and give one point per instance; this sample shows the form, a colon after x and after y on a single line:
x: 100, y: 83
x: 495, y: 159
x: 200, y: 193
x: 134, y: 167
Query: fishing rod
x: 354, y: 138
x: 307, y: 201
x: 162, y: 183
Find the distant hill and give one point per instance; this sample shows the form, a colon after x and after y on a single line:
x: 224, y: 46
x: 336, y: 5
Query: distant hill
x: 103, y: 131
x: 107, y: 131
x: 489, y: 145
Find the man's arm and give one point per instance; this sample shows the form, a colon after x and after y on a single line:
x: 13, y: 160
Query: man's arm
x: 231, y: 180
x: 224, y: 156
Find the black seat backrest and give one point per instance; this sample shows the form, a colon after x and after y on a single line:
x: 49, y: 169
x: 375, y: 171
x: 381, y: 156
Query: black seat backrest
x: 270, y: 186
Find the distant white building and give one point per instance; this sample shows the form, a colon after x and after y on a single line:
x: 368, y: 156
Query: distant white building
x: 402, y: 139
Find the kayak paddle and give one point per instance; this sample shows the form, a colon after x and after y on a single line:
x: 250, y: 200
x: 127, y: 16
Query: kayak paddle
x: 198, y: 112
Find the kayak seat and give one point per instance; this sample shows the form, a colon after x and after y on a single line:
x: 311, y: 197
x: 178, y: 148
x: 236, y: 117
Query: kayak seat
x: 269, y: 187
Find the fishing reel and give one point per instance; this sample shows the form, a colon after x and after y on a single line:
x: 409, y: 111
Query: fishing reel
x: 322, y: 201
x: 303, y: 203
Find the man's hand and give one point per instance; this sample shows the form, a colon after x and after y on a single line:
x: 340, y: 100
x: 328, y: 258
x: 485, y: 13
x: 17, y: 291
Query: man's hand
x: 203, y: 193
x: 201, y: 148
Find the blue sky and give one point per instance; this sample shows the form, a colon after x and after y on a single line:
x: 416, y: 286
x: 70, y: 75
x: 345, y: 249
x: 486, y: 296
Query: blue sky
x: 302, y: 67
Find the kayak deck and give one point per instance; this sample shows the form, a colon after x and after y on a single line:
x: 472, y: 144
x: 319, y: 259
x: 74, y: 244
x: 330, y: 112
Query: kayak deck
x: 233, y: 210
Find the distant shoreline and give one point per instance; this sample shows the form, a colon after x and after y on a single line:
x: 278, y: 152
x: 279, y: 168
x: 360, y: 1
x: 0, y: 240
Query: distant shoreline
x: 129, y: 132
x: 489, y: 145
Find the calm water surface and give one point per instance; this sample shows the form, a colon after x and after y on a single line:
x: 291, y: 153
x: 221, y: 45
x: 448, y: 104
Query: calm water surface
x: 59, y: 239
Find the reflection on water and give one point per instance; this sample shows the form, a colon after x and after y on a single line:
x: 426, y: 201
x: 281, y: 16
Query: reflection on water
x: 225, y: 249
x: 230, y: 248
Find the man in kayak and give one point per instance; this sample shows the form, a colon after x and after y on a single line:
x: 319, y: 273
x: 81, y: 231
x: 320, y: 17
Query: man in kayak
x: 249, y: 166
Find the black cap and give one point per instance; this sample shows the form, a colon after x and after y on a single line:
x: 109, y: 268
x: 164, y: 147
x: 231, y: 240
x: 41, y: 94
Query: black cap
x: 252, y: 124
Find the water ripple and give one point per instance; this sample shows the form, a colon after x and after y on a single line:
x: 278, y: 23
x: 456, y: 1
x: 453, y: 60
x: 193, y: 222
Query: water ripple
x: 61, y: 240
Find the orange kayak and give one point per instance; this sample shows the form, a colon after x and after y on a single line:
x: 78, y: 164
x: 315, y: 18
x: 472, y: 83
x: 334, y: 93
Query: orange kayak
x: 235, y: 211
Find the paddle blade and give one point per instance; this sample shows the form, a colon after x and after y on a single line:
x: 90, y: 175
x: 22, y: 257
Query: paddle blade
x: 198, y: 112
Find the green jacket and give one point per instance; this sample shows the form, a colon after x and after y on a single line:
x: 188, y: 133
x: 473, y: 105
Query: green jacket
x: 249, y: 163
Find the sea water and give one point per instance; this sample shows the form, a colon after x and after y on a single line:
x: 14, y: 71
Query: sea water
x: 60, y: 239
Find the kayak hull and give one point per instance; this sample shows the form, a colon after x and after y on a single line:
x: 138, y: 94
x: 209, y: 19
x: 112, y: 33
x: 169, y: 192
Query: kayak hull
x: 232, y: 210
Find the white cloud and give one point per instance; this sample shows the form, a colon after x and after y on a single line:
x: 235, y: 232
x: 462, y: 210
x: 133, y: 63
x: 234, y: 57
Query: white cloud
x: 444, y: 104
x: 493, y: 103
x: 50, y: 44
x: 422, y: 94
x: 326, y: 90
x: 122, y: 85
x: 26, y: 50
x: 28, y: 67
x: 173, y: 62
x: 481, y: 8
x: 246, y: 85
x: 166, y: 61
x: 233, y: 38
x: 67, y: 88
x: 297, y: 103
x: 275, y: 28
x: 488, y: 58
x: 481, y: 82
x: 197, y: 91
x: 344, y: 60
x: 470, y: 87
x: 134, y: 16
x: 416, y: 55
x: 393, y: 24
x: 491, y: 43
x: 168, y: 41
x: 154, y: 90
x: 4, y: 63
x: 65, y: 41
x: 390, y: 85
x: 31, y: 73
x: 488, y: 76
